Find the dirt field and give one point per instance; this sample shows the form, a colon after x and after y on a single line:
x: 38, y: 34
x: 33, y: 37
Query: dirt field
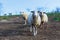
x: 17, y: 31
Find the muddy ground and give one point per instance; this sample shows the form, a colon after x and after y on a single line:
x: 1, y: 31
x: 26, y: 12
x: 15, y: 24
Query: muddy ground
x: 18, y: 31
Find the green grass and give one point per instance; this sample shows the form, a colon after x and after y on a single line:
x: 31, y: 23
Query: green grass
x: 8, y: 17
x: 55, y: 15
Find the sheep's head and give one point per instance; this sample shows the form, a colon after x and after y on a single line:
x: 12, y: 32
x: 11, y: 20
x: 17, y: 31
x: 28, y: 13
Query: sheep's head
x: 41, y: 13
x: 34, y: 14
x: 24, y: 15
x: 35, y: 17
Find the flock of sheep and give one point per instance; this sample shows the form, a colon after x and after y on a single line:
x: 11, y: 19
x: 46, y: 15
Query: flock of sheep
x: 35, y: 19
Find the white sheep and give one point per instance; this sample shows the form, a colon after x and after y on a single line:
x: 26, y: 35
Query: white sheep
x: 44, y: 17
x: 25, y: 16
x: 34, y: 20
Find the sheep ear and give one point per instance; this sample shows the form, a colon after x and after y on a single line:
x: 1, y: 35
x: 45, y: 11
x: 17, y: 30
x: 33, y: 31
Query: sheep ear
x: 32, y: 11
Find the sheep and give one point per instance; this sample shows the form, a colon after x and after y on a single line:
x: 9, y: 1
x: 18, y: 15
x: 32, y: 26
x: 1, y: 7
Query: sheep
x: 34, y: 20
x: 25, y: 16
x: 44, y: 17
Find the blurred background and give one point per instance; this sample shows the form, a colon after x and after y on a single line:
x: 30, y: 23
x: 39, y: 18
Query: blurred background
x: 14, y: 7
x: 11, y: 21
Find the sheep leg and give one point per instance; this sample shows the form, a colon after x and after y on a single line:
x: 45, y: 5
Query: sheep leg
x: 41, y: 26
x: 25, y: 22
x: 34, y: 30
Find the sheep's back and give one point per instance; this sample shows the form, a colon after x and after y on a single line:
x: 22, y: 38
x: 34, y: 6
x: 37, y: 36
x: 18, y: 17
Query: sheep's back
x: 25, y: 15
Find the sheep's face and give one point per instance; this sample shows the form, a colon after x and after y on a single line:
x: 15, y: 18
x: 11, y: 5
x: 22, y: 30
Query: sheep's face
x: 41, y: 13
x: 34, y: 14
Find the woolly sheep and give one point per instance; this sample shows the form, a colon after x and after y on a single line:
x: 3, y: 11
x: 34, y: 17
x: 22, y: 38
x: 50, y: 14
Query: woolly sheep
x: 25, y: 16
x: 34, y: 20
x: 44, y: 17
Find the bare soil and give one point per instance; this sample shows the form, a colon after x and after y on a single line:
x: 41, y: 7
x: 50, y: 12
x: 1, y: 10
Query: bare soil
x: 16, y: 30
